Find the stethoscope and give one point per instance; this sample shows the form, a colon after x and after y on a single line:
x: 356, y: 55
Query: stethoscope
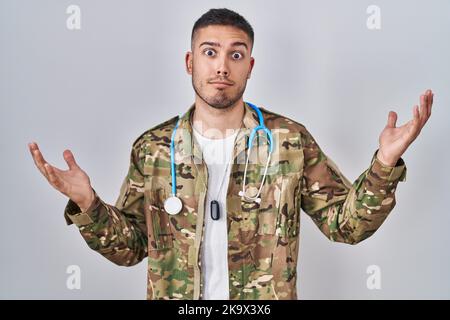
x: 173, y: 204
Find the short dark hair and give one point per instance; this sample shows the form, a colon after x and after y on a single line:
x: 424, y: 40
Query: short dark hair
x: 224, y: 17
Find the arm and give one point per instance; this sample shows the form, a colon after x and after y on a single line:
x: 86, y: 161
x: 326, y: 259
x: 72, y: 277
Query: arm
x: 118, y: 232
x: 347, y: 212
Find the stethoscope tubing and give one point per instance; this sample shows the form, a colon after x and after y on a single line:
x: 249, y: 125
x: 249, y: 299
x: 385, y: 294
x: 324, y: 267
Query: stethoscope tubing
x: 252, y: 136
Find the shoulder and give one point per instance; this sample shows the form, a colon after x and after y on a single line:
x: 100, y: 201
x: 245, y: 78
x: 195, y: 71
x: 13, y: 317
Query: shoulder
x: 288, y: 128
x: 157, y: 135
x: 275, y: 121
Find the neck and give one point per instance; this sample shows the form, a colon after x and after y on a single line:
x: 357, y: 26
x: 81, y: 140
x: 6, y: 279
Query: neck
x: 216, y: 123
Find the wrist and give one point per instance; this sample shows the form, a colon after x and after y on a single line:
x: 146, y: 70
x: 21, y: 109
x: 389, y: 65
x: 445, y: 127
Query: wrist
x: 389, y: 162
x: 86, y: 204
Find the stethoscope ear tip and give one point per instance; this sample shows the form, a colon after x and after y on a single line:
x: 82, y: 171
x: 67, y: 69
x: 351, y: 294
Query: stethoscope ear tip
x: 242, y: 194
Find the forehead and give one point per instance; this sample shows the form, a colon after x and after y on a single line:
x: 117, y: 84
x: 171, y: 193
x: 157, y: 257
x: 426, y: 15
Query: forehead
x: 222, y: 34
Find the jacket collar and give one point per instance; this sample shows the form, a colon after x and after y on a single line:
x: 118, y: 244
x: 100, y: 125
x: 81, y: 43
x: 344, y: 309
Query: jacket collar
x: 185, y: 145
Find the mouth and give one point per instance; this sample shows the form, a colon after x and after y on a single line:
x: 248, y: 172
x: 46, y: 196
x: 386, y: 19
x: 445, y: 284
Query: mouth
x: 221, y: 84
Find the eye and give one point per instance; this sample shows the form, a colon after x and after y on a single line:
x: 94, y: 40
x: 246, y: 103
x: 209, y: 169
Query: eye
x: 237, y: 55
x: 209, y: 52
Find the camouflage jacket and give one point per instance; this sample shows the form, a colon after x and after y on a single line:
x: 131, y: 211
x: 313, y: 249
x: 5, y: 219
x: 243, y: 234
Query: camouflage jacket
x: 263, y: 238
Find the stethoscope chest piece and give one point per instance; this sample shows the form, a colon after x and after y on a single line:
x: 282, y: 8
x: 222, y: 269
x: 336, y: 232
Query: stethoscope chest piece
x: 173, y: 205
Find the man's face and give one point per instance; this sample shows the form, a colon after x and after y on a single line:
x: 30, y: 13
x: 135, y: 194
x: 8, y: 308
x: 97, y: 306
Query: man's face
x: 220, y: 54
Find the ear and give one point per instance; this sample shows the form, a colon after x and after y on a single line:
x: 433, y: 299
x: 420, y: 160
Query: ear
x: 252, y: 63
x: 188, y: 62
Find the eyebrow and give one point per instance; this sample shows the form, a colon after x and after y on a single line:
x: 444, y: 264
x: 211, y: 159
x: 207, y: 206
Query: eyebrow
x: 216, y: 44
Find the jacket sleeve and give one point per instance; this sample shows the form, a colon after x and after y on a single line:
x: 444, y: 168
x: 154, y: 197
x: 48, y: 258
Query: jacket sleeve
x: 118, y: 232
x: 347, y: 212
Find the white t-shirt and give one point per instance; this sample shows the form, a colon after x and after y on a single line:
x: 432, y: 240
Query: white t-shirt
x: 217, y: 155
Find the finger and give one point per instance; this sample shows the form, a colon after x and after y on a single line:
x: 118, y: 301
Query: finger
x: 70, y: 159
x: 415, y: 128
x: 429, y: 97
x: 392, y: 119
x: 32, y: 146
x: 423, y: 108
x: 38, y: 159
x: 431, y: 104
x: 54, y: 180
x: 36, y: 152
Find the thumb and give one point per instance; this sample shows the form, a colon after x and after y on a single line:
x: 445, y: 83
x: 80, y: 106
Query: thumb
x: 392, y: 119
x: 68, y: 156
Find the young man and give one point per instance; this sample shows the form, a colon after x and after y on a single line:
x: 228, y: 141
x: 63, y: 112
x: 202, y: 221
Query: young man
x: 217, y: 228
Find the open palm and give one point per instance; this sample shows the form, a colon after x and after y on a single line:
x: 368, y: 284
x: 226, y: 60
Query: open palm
x: 395, y: 140
x: 74, y: 182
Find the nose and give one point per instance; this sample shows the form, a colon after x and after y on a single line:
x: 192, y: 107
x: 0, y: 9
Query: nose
x: 222, y: 69
x: 222, y: 72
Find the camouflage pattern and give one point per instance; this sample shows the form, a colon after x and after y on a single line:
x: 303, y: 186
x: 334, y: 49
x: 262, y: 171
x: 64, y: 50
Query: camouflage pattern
x: 263, y: 239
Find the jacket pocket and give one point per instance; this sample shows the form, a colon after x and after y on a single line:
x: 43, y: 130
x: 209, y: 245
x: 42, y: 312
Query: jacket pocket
x: 288, y: 223
x: 278, y: 212
x: 158, y: 220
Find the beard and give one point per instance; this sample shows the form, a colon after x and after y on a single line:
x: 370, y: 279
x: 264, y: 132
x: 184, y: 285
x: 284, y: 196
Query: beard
x: 221, y: 99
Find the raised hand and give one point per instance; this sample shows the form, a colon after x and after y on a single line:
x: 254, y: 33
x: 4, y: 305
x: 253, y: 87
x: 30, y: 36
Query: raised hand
x: 395, y: 140
x: 74, y: 183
